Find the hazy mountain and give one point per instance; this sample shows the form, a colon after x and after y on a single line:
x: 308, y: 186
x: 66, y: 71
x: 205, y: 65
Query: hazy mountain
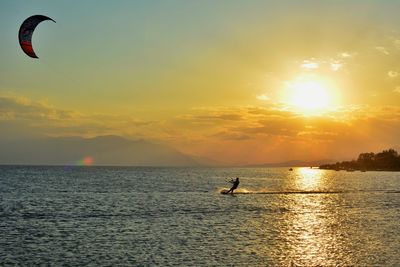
x: 111, y: 150
x: 204, y: 161
x: 105, y: 150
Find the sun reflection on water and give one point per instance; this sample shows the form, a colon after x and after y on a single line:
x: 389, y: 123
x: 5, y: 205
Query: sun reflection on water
x: 310, y: 229
x: 308, y: 179
x: 309, y: 238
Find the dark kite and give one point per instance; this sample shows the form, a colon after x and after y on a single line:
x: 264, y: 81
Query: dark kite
x: 26, y: 31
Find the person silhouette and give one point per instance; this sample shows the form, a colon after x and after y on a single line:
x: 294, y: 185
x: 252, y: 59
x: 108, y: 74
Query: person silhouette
x: 234, y: 186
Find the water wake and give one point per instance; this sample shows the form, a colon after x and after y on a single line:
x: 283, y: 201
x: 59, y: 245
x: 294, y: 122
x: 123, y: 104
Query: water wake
x: 287, y: 192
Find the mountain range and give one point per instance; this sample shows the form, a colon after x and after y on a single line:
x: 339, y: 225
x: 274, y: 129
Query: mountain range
x: 104, y: 150
x: 111, y: 151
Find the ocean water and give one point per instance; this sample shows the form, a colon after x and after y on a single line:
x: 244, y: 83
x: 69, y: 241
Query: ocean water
x: 138, y: 216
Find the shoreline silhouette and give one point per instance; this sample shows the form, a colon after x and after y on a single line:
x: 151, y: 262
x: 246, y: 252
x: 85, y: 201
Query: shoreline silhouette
x: 387, y: 160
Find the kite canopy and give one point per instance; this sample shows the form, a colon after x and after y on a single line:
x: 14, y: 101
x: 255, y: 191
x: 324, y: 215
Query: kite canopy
x: 26, y: 31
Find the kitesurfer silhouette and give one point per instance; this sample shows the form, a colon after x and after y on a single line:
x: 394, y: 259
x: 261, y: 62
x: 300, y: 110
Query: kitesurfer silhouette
x: 234, y: 186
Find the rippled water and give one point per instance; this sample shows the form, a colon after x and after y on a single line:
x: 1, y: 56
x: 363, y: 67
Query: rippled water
x: 176, y: 216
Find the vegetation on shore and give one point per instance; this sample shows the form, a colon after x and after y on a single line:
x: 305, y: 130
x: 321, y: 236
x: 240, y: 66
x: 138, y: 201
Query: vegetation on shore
x: 387, y: 160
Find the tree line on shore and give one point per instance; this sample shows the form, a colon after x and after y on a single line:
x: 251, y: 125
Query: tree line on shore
x: 387, y: 160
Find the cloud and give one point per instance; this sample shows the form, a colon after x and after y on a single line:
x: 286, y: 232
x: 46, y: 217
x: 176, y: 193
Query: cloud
x: 49, y: 120
x: 213, y: 117
x: 263, y: 97
x: 346, y: 55
x: 21, y: 108
x: 308, y: 64
x: 340, y: 134
x: 393, y: 74
x: 382, y: 49
x: 325, y: 64
x: 225, y: 135
x: 236, y: 134
x: 336, y: 66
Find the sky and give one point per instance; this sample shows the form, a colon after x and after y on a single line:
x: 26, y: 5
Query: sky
x: 242, y: 82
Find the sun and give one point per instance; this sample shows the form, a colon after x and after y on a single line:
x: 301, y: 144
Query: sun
x: 310, y: 95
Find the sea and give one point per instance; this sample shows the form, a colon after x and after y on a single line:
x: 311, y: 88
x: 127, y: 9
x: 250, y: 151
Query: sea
x: 148, y: 216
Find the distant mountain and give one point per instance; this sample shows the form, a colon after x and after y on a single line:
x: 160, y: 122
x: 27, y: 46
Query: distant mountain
x: 204, y: 161
x: 105, y: 150
x: 295, y: 163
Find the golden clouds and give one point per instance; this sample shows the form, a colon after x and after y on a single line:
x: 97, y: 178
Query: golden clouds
x: 237, y: 135
x: 50, y: 120
x: 272, y: 134
x: 22, y: 108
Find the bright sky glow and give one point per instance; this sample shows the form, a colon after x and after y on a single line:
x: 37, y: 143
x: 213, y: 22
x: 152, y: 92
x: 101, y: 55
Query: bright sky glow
x: 309, y: 95
x: 235, y: 81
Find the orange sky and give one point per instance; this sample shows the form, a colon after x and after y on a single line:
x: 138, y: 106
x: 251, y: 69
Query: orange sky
x: 240, y: 82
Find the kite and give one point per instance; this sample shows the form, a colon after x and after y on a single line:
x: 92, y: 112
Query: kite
x: 25, y: 33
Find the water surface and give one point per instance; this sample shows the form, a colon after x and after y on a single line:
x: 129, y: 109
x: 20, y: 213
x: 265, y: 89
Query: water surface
x: 176, y: 216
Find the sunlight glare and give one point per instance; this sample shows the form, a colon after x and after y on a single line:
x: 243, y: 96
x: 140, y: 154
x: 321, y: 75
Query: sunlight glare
x: 308, y: 179
x: 310, y: 95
